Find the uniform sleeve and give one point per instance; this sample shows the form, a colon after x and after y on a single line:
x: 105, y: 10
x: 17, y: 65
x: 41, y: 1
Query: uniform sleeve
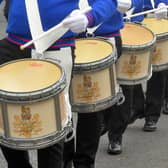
x: 137, y: 4
x: 101, y: 11
x: 138, y: 7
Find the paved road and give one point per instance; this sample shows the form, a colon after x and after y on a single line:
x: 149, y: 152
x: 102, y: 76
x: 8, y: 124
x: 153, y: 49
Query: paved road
x: 140, y: 149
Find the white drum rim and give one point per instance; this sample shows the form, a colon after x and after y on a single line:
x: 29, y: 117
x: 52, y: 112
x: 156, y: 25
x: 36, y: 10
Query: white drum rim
x: 96, y: 65
x: 160, y: 36
x: 98, y: 105
x: 160, y: 67
x: 37, y: 95
x: 146, y: 46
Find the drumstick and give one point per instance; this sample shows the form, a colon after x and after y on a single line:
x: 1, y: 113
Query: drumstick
x: 49, y: 31
x: 142, y: 13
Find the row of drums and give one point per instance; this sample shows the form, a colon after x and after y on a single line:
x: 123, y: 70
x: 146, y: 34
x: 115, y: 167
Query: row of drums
x: 32, y: 101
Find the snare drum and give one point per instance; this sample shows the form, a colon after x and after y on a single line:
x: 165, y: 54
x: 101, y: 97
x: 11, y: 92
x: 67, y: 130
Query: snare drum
x: 94, y: 86
x: 160, y: 55
x: 32, y: 104
x: 134, y: 65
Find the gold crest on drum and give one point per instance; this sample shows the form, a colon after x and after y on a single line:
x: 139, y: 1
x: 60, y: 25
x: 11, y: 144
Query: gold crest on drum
x: 32, y: 104
x: 160, y: 55
x: 94, y: 86
x: 134, y: 66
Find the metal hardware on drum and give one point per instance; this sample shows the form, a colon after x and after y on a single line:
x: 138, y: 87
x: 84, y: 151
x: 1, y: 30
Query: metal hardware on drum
x: 94, y: 86
x: 134, y: 66
x: 33, y: 109
x: 121, y: 97
x: 72, y: 131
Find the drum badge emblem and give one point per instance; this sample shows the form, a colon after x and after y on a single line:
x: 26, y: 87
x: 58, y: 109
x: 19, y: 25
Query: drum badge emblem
x: 27, y: 124
x: 157, y: 55
x: 132, y: 66
x: 88, y: 90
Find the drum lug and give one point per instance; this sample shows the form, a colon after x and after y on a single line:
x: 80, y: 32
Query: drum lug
x: 121, y: 99
x: 90, y: 34
x: 70, y: 135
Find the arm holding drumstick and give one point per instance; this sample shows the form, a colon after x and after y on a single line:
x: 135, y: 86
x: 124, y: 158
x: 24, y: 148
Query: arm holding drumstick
x: 69, y: 23
x: 146, y: 12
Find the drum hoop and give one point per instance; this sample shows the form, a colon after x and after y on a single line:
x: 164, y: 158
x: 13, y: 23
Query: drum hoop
x: 162, y: 36
x: 135, y: 81
x: 146, y: 46
x: 159, y: 67
x: 98, y: 105
x: 96, y: 65
x: 36, y: 143
x: 33, y: 96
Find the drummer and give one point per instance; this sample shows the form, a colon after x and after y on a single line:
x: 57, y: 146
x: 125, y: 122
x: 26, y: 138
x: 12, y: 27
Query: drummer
x: 139, y: 110
x: 120, y: 114
x: 89, y: 124
x: 52, y: 12
x: 164, y: 74
x: 155, y: 86
x: 154, y: 93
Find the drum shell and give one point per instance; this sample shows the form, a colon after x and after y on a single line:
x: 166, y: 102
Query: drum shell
x: 34, y: 120
x: 134, y: 74
x: 160, y: 54
x: 87, y: 92
x: 134, y: 66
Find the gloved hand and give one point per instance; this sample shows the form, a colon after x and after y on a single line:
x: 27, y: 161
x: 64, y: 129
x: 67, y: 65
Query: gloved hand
x: 162, y: 12
x: 76, y: 21
x: 124, y: 5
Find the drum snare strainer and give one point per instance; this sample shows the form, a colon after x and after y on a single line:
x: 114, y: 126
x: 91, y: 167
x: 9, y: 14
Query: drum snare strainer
x: 32, y: 104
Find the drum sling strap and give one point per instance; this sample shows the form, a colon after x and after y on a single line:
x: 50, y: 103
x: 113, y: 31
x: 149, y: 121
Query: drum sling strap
x: 63, y: 56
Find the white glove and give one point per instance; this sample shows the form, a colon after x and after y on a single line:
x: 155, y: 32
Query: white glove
x: 76, y: 21
x: 162, y: 12
x: 124, y: 5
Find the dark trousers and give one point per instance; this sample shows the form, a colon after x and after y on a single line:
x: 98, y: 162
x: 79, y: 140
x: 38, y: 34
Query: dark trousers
x: 50, y: 157
x: 87, y: 139
x: 136, y: 106
x: 68, y: 153
x: 154, y: 96
x: 47, y: 158
x: 16, y: 158
x: 117, y: 117
x: 165, y: 89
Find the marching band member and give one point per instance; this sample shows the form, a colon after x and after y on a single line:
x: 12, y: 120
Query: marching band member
x: 155, y: 86
x: 120, y: 114
x: 51, y: 12
x: 89, y: 124
x: 139, y: 111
